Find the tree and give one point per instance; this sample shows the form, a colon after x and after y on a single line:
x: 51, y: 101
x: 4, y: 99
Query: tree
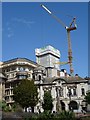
x: 47, y: 105
x: 87, y: 97
x: 26, y: 94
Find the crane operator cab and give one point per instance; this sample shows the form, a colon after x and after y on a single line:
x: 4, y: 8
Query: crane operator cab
x: 70, y: 27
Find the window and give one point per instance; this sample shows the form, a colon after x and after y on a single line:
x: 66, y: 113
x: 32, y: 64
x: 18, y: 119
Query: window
x: 7, y: 76
x: 60, y: 92
x: 83, y: 91
x: 4, y: 71
x: 11, y: 91
x: 13, y: 68
x: 7, y: 85
x: 7, y: 70
x: 7, y: 92
x: 22, y: 69
x: 69, y: 92
x: 12, y: 98
x: 12, y: 84
x: 34, y: 77
x: 29, y: 75
x: 39, y: 77
x: 74, y: 91
x: 7, y: 99
x: 22, y: 76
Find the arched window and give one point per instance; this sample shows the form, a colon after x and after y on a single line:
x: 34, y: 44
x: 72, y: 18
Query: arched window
x: 62, y: 105
x: 39, y: 77
x: 73, y: 105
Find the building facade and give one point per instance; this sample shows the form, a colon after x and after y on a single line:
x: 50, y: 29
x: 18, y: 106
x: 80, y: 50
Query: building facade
x: 2, y: 84
x: 16, y: 70
x: 68, y: 92
x: 48, y: 57
x: 2, y: 87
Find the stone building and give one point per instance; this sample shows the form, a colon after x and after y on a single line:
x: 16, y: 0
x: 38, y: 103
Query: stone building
x: 16, y: 70
x: 74, y: 91
x: 67, y: 92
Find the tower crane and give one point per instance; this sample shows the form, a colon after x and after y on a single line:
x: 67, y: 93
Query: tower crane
x: 71, y: 27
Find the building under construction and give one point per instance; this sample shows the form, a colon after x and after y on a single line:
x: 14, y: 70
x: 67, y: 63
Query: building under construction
x: 47, y: 57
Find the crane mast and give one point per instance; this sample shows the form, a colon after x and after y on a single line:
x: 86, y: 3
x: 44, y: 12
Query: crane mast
x: 68, y: 29
x: 70, y: 53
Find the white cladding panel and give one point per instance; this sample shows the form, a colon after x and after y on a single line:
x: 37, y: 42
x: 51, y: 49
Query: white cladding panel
x: 47, y: 49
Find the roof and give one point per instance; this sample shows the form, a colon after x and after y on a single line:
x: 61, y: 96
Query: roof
x: 39, y: 68
x: 18, y: 59
x: 74, y: 79
x: 87, y: 78
x: 52, y: 79
x: 49, y: 80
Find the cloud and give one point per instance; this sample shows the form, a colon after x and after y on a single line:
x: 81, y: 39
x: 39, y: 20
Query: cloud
x: 23, y: 21
x: 9, y: 30
x: 9, y: 35
x: 12, y: 24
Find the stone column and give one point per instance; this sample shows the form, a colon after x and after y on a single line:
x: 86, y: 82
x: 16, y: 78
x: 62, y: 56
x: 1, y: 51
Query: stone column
x: 53, y: 93
x: 66, y: 105
x: 41, y: 97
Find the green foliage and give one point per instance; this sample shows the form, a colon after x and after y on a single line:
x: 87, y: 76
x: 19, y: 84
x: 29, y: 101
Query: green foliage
x: 16, y: 108
x: 47, y: 105
x: 87, y: 97
x: 26, y: 93
x: 66, y: 115
x: 47, y: 115
x: 5, y: 107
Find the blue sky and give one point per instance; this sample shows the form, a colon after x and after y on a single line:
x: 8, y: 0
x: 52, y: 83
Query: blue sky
x: 27, y: 26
